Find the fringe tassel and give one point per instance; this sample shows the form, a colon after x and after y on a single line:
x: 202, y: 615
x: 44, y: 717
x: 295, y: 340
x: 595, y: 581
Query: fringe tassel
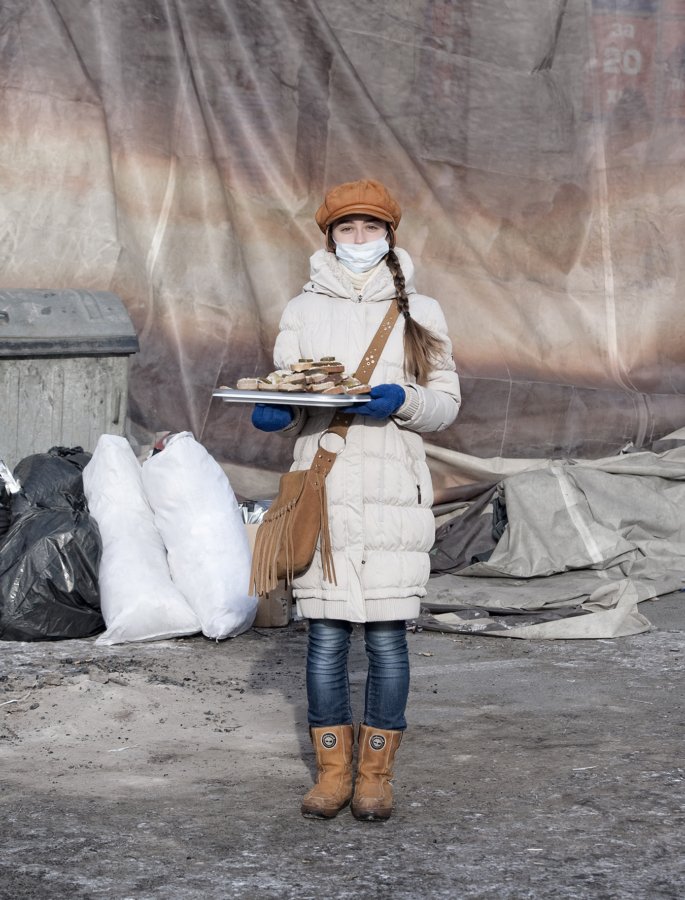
x: 276, y: 538
x: 263, y: 575
x: 325, y: 539
x: 289, y: 550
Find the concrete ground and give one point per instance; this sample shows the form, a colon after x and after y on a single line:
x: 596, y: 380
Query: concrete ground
x: 174, y: 771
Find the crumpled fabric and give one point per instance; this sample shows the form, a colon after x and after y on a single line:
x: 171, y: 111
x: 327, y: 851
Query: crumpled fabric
x: 588, y: 540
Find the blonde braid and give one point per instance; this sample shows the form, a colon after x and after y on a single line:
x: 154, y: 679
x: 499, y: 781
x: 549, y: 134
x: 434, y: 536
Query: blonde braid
x: 422, y: 348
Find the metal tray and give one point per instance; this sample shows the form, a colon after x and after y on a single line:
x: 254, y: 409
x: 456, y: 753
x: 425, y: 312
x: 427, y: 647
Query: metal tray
x: 289, y: 398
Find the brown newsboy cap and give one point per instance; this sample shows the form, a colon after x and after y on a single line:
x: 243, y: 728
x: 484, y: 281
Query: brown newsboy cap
x: 368, y: 197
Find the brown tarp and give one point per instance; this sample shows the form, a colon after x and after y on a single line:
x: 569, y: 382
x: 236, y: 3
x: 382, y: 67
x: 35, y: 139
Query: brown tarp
x: 174, y: 151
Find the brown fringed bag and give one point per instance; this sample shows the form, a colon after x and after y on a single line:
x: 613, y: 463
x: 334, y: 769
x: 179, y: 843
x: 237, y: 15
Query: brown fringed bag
x: 298, y: 518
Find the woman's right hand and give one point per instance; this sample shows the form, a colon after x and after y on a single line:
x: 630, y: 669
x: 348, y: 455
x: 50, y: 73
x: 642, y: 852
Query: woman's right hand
x: 274, y: 417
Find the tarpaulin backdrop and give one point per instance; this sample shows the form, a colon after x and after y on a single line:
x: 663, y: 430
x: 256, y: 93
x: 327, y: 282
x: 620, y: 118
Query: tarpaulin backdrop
x: 174, y: 151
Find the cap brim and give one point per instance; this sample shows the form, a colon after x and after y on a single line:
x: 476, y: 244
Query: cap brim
x: 368, y: 210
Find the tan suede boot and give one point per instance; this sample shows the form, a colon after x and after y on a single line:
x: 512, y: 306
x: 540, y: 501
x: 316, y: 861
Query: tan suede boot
x: 372, y: 799
x: 333, y: 789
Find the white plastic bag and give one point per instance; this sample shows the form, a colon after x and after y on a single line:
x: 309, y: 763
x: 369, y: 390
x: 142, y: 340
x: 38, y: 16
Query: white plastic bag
x: 139, y: 600
x: 200, y: 522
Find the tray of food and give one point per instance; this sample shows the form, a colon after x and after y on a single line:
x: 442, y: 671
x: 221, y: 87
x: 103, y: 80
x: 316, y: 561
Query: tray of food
x: 233, y: 395
x: 307, y: 382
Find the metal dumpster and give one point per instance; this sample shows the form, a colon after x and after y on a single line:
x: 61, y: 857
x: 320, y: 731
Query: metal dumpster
x: 64, y: 360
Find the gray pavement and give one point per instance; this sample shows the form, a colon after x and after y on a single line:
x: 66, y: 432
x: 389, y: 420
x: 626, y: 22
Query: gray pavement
x: 174, y: 771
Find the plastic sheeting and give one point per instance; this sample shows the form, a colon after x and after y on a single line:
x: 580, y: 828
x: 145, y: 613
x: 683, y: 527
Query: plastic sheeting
x: 585, y: 543
x: 174, y: 152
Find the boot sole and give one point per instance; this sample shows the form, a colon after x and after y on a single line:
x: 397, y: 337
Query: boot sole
x: 320, y: 814
x: 370, y: 816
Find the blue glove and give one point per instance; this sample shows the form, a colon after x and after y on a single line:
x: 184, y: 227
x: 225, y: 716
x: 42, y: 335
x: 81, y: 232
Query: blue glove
x: 272, y: 418
x: 385, y: 400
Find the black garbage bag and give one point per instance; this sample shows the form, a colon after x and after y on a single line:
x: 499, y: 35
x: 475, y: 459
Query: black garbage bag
x: 49, y: 557
x: 50, y: 480
x: 5, y: 515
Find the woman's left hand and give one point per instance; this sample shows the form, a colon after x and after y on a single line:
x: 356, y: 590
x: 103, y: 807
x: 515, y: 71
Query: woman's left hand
x: 385, y: 400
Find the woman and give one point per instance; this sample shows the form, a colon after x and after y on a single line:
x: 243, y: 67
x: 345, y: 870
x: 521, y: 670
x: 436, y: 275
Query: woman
x: 379, y: 490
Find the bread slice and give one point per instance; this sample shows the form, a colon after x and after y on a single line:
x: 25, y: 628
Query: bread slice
x: 316, y: 376
x: 302, y: 365
x: 295, y: 378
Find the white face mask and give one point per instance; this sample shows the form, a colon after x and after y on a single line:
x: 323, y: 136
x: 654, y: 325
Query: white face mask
x: 362, y: 257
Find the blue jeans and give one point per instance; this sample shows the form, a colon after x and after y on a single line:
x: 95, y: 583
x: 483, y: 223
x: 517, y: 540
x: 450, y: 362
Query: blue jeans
x: 387, y: 681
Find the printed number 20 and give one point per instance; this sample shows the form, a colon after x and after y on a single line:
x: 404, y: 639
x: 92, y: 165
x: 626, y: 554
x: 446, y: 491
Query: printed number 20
x: 629, y: 62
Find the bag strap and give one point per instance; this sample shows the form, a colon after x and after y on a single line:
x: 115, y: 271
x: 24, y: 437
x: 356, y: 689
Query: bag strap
x: 341, y: 421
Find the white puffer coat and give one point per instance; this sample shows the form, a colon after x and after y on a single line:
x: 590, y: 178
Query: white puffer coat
x: 379, y: 489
